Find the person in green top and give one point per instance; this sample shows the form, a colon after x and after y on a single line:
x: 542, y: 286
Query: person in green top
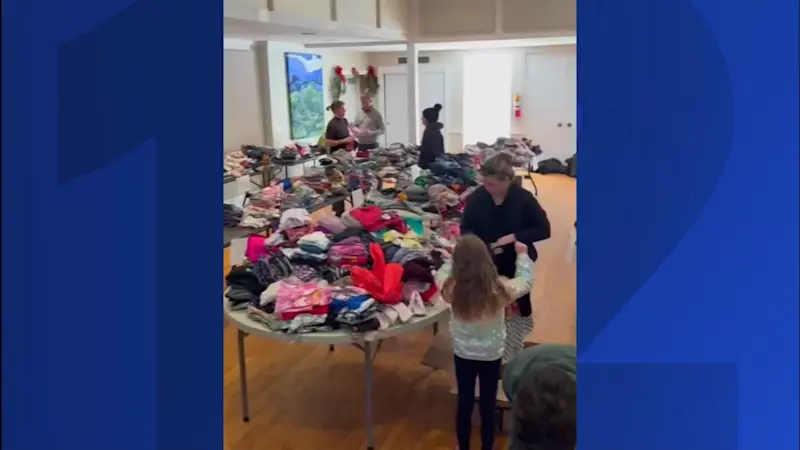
x: 540, y: 383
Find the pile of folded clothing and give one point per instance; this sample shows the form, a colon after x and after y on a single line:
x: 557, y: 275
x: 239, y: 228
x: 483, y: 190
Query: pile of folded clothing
x: 328, y: 181
x: 290, y: 153
x: 368, y: 270
x: 455, y: 171
x: 251, y: 216
x: 522, y: 150
x: 442, y: 196
x: 301, y: 196
x: 269, y: 197
x: 258, y: 217
x: 243, y: 161
x: 231, y: 215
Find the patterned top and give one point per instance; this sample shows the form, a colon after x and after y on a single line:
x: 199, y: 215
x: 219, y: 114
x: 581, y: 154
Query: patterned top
x: 484, y: 340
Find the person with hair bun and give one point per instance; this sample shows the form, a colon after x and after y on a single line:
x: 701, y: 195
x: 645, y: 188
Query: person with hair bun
x: 500, y: 213
x: 432, y: 145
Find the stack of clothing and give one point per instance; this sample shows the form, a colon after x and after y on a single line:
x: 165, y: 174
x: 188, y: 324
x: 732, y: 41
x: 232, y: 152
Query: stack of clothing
x: 328, y: 182
x: 522, y: 150
x: 294, y: 151
x: 244, y: 287
x: 369, y: 270
x: 349, y: 248
x: 231, y: 215
x: 258, y: 154
x: 316, y: 243
x: 251, y: 216
x: 294, y: 223
x: 301, y: 196
x: 258, y: 217
x: 451, y: 170
x: 442, y: 196
x: 268, y: 198
x: 373, y: 218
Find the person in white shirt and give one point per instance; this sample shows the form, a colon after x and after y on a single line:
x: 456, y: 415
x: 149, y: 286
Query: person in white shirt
x: 368, y: 126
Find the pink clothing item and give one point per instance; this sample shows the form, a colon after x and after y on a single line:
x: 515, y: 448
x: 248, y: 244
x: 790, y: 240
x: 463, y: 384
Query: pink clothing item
x: 298, y: 297
x: 375, y: 219
x: 332, y: 223
x: 316, y: 310
x: 450, y: 230
x: 294, y: 234
x: 256, y: 248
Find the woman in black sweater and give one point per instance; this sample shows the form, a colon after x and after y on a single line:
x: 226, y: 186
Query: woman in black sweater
x: 432, y: 146
x: 500, y: 213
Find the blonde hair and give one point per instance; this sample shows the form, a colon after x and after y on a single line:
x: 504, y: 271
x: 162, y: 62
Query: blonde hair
x: 499, y: 166
x: 474, y: 289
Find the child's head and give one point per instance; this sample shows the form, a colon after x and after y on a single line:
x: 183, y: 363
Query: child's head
x: 544, y: 410
x: 473, y: 289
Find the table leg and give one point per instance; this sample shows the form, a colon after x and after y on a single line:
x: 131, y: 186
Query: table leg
x: 243, y: 377
x: 368, y: 394
x: 436, y: 328
x: 533, y: 182
x: 331, y: 348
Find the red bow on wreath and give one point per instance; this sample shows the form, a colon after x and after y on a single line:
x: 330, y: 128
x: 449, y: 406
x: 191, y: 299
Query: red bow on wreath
x: 340, y: 73
x: 371, y: 71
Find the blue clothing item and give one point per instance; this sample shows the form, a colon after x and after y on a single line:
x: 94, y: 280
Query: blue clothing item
x: 352, y: 303
x: 415, y: 224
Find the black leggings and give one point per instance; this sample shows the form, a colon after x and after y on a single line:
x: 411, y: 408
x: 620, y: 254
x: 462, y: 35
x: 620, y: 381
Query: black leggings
x: 488, y: 374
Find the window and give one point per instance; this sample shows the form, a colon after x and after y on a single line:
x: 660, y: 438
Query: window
x: 487, y: 96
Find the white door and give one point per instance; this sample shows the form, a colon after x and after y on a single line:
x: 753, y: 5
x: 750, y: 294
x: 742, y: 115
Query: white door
x: 395, y: 107
x: 431, y: 92
x: 395, y: 101
x: 548, y: 101
x: 571, y: 112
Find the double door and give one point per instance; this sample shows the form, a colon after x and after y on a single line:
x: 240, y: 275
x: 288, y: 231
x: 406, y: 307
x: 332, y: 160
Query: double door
x: 550, y: 101
x: 395, y: 102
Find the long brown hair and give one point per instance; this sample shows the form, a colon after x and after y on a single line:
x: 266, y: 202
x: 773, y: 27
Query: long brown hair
x: 473, y: 288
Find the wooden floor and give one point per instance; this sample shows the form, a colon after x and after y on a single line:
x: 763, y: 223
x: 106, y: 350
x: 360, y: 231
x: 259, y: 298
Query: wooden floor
x: 307, y: 398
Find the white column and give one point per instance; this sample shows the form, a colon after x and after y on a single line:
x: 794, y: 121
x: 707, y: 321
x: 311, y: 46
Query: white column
x: 261, y: 53
x: 414, y: 113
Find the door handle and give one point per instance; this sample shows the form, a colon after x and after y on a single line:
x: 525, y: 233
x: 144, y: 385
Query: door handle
x: 560, y: 124
x: 569, y: 124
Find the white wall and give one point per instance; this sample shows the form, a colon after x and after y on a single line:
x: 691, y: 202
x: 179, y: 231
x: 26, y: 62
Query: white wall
x: 278, y: 103
x: 241, y: 111
x: 453, y: 64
